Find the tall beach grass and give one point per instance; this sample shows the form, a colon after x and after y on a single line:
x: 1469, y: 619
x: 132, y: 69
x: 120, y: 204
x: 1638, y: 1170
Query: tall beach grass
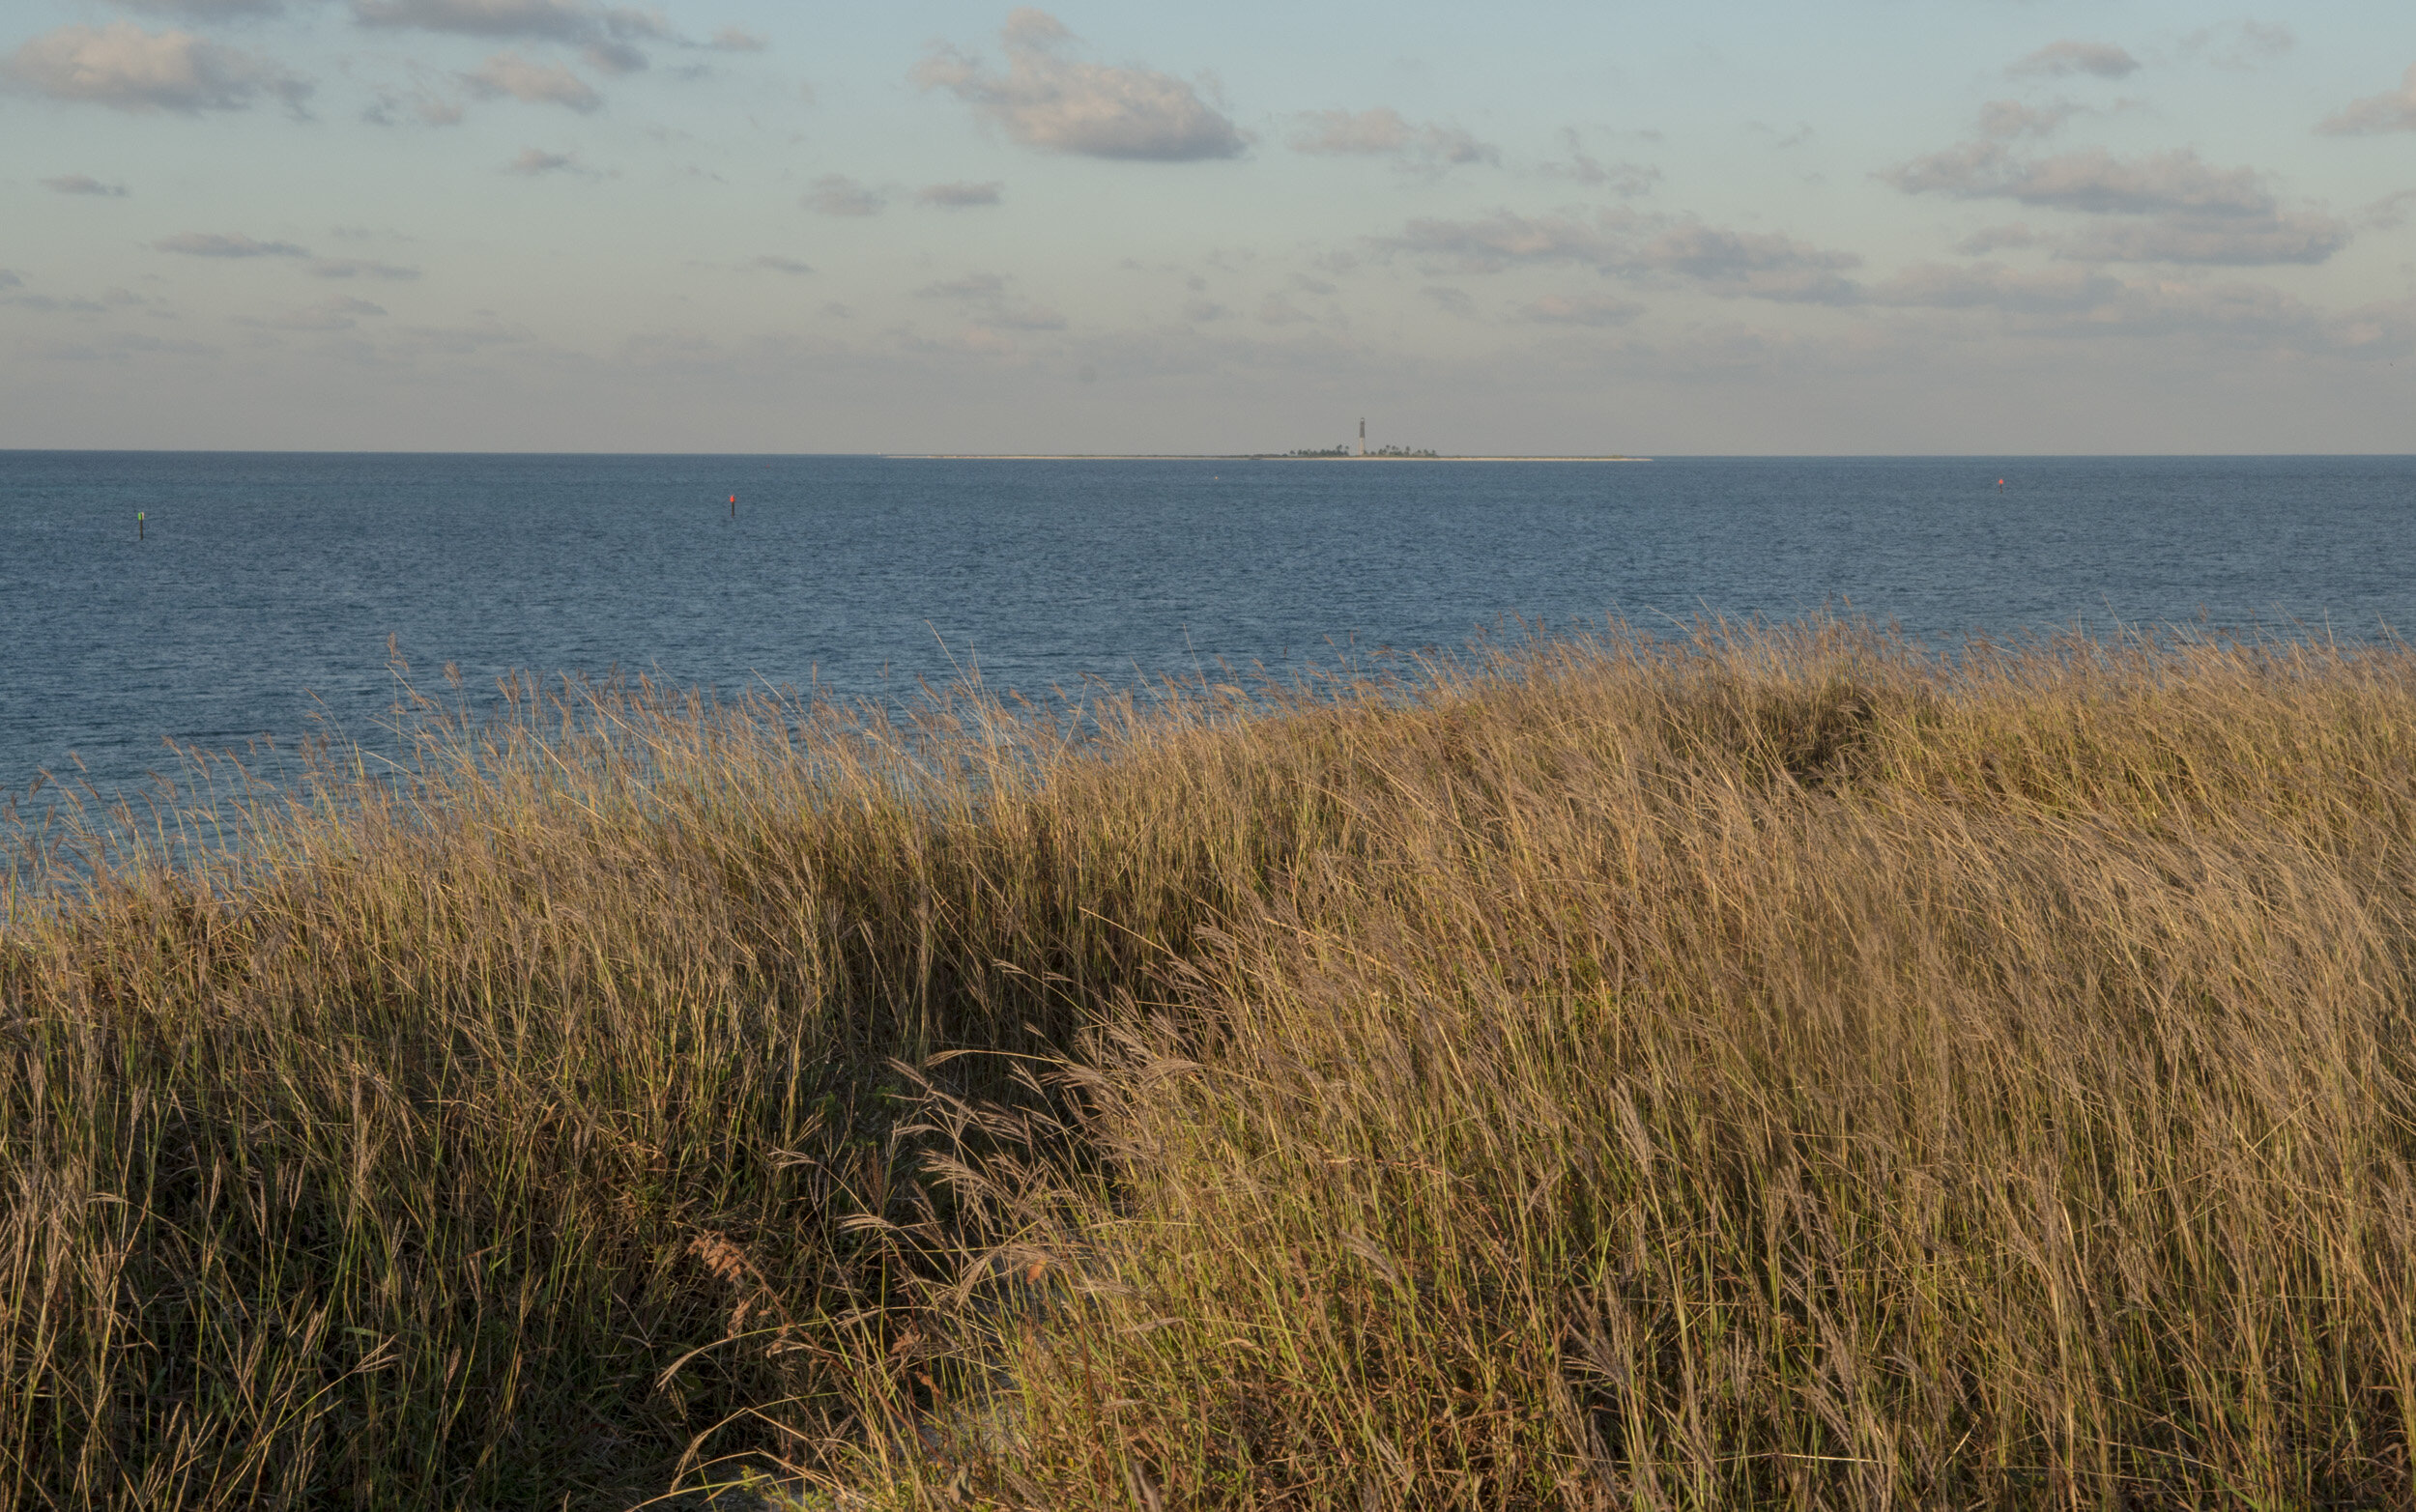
x: 1775, y: 1067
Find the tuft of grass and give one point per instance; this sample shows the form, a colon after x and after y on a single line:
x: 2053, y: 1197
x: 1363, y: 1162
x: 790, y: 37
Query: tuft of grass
x: 1770, y: 1068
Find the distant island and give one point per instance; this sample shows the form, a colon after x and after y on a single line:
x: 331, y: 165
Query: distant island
x: 1414, y: 454
x: 1338, y: 454
x: 1344, y: 450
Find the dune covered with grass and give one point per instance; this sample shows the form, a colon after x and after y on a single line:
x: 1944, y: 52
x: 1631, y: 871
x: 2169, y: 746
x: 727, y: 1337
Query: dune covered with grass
x: 1777, y: 1066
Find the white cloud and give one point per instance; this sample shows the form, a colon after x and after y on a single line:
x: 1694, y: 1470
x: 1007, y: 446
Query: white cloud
x: 121, y: 346
x: 1625, y: 180
x: 837, y: 194
x: 360, y: 267
x: 1025, y: 317
x: 1277, y: 309
x: 2096, y: 182
x: 1380, y: 131
x: 1762, y: 264
x: 2393, y: 111
x: 2057, y: 59
x: 211, y: 243
x: 535, y: 161
x: 125, y: 67
x: 738, y: 38
x: 1993, y: 286
x: 554, y: 20
x: 2004, y: 119
x: 1502, y: 239
x: 430, y: 108
x: 208, y: 10
x: 2091, y: 180
x: 337, y: 312
x: 959, y: 196
x: 52, y: 305
x: 115, y: 298
x: 2087, y: 302
x: 2188, y: 210
x: 1561, y: 309
x: 985, y: 297
x: 1383, y: 133
x: 606, y: 35
x: 85, y: 184
x: 2243, y: 46
x: 1757, y: 264
x: 972, y: 286
x: 2235, y: 313
x: 2280, y: 238
x: 535, y: 83
x: 2389, y: 213
x: 486, y: 334
x: 618, y: 57
x: 1993, y: 238
x: 1048, y: 100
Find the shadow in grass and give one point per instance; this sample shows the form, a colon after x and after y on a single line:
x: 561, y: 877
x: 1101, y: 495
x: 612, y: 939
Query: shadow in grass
x: 1772, y: 1066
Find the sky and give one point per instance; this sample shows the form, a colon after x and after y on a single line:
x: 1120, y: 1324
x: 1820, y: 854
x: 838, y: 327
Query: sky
x: 1860, y: 228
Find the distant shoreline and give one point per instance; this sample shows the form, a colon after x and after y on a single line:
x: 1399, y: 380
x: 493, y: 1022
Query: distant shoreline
x: 1172, y: 456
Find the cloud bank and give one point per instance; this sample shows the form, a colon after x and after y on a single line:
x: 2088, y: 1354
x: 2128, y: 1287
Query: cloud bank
x: 837, y: 194
x: 2177, y: 207
x: 1750, y: 264
x: 208, y: 244
x: 2393, y: 111
x: 208, y: 10
x: 1383, y: 133
x: 1561, y: 309
x: 986, y: 299
x: 360, y: 267
x: 608, y: 36
x: 2245, y: 45
x: 2057, y: 59
x: 959, y: 196
x: 535, y: 161
x: 1060, y: 105
x: 125, y: 67
x: 508, y: 73
x: 337, y: 312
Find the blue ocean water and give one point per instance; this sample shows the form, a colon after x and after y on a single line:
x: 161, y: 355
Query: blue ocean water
x: 263, y: 593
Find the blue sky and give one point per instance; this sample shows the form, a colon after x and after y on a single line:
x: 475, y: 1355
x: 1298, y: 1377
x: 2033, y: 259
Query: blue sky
x: 1961, y: 227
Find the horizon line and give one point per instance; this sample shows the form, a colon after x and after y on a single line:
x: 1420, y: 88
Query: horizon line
x: 1239, y: 456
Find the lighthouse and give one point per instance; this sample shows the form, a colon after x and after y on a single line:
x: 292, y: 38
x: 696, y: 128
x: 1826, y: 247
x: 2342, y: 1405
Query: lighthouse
x: 1363, y: 435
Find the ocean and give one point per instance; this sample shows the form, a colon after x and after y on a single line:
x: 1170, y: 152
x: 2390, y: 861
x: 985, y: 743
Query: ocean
x: 261, y: 595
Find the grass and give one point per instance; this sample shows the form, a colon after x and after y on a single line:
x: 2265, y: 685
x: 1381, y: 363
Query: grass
x: 1774, y: 1068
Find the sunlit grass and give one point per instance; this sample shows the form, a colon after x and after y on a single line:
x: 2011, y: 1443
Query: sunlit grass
x: 1776, y: 1067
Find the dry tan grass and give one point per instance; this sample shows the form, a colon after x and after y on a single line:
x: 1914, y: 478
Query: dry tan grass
x: 1775, y: 1068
